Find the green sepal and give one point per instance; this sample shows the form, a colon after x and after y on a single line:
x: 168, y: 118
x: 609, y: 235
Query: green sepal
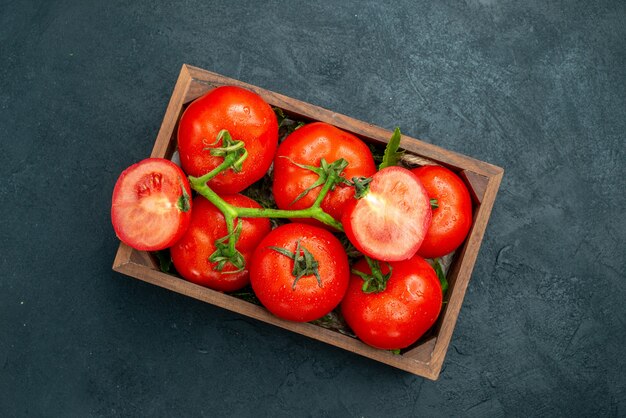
x: 434, y: 204
x: 376, y: 281
x: 226, y: 253
x: 184, y: 201
x: 304, y: 263
x: 230, y: 148
x: 361, y: 186
x: 324, y: 171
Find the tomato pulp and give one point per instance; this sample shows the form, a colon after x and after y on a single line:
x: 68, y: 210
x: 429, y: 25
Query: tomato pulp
x: 151, y: 204
x: 390, y: 221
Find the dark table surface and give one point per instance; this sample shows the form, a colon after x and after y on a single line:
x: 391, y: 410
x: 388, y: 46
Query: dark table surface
x: 535, y: 87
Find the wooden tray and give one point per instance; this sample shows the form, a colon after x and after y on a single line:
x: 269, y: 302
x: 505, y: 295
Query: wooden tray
x: 425, y: 358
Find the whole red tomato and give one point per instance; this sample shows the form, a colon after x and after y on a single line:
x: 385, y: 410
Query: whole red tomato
x: 452, y: 219
x: 307, y: 146
x: 151, y: 204
x: 191, y: 253
x: 400, y: 314
x: 299, y: 272
x: 247, y: 117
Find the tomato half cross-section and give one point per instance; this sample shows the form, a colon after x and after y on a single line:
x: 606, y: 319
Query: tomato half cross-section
x: 307, y: 146
x: 389, y: 221
x: 452, y: 216
x: 151, y: 204
x: 191, y: 254
x: 299, y: 272
x: 246, y: 117
x: 398, y: 315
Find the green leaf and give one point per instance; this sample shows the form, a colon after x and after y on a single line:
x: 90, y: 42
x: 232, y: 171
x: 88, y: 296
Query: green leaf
x: 375, y: 281
x: 377, y: 152
x: 280, y: 116
x: 286, y: 125
x: 392, y: 155
x: 165, y: 260
x: 441, y: 275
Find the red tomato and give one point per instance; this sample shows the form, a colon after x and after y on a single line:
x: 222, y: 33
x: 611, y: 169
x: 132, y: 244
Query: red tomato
x: 389, y: 223
x: 452, y: 220
x: 308, y: 145
x: 191, y: 253
x: 310, y: 297
x: 247, y: 117
x: 399, y: 315
x: 151, y: 204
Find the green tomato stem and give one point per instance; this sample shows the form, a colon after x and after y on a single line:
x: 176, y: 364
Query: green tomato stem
x: 331, y: 181
x: 200, y: 186
x: 230, y: 211
x: 232, y: 238
x: 312, y: 212
x: 208, y: 176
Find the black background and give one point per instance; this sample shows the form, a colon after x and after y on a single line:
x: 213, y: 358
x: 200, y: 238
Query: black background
x: 535, y: 87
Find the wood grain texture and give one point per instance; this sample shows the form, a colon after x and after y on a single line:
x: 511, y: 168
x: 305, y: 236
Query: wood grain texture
x: 477, y: 185
x: 427, y: 356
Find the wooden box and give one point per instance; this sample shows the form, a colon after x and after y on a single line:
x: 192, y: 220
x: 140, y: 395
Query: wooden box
x: 425, y: 358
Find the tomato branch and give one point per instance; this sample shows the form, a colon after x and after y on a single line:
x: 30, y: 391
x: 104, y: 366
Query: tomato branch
x: 332, y: 177
x: 234, y: 153
x: 228, y: 161
x: 233, y: 212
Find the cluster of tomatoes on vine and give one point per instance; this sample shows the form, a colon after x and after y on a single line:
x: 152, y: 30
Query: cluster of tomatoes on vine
x: 326, y: 182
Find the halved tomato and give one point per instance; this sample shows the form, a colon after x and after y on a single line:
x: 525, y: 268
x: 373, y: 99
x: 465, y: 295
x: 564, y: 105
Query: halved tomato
x: 390, y: 221
x: 151, y: 205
